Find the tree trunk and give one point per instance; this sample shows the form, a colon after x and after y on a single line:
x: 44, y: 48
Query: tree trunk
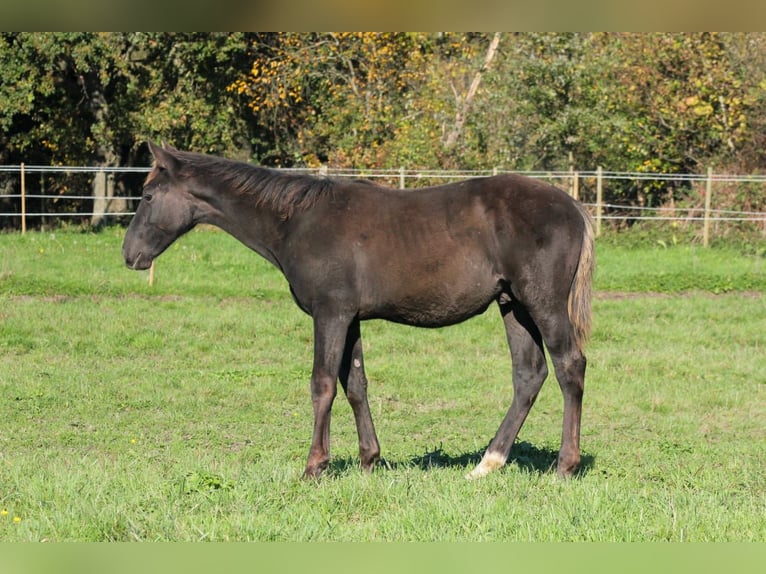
x: 103, y: 192
x: 104, y: 200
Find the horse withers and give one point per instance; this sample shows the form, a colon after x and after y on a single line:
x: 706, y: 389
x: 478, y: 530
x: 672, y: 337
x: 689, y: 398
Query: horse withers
x: 352, y: 250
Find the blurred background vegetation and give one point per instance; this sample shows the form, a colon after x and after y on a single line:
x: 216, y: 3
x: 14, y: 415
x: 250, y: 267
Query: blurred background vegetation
x: 631, y: 102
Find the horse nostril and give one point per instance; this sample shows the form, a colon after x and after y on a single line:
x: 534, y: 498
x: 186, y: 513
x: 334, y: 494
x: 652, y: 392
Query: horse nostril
x: 132, y: 262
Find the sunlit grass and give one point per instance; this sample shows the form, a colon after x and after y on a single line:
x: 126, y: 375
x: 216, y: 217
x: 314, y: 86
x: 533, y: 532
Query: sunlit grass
x: 182, y: 411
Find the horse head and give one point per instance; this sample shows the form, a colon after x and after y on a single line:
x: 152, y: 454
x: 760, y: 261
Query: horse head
x: 166, y: 210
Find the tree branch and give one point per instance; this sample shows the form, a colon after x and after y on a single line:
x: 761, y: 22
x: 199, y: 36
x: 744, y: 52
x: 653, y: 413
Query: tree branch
x: 462, y: 111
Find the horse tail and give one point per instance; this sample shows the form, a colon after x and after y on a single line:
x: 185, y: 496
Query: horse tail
x: 579, y: 304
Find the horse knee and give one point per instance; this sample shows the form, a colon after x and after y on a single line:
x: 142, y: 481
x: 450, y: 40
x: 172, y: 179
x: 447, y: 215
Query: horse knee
x: 528, y: 381
x: 323, y: 387
x: 356, y: 393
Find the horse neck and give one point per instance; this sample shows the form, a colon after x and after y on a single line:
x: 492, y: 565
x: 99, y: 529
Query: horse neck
x: 257, y: 227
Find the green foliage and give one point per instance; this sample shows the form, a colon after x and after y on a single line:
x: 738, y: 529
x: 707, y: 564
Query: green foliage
x: 184, y: 97
x: 683, y: 101
x: 663, y: 102
x: 659, y: 103
x: 84, y: 98
x: 543, y: 103
x: 355, y: 98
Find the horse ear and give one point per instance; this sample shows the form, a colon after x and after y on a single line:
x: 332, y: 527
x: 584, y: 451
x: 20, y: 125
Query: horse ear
x: 153, y: 147
x: 167, y: 146
x: 163, y: 158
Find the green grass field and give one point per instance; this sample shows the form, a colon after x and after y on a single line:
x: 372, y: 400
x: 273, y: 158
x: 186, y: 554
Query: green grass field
x: 182, y: 412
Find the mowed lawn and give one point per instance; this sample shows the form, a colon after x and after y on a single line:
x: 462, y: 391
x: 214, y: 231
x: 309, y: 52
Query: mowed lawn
x: 182, y: 411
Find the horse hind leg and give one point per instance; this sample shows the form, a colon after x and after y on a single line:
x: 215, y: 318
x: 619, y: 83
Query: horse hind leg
x: 569, y: 364
x: 529, y: 373
x: 354, y: 383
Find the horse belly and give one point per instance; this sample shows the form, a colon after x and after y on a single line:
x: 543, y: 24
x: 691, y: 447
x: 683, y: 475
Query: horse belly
x: 428, y: 299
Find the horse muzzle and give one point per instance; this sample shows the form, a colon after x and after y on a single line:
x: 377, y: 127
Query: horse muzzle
x: 137, y: 263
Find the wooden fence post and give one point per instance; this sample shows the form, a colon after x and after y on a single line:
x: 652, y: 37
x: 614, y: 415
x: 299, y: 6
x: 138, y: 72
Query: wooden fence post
x: 576, y: 185
x: 151, y: 275
x: 708, y: 193
x: 401, y: 178
x: 599, y: 196
x: 571, y: 174
x: 23, y: 201
x: 43, y: 220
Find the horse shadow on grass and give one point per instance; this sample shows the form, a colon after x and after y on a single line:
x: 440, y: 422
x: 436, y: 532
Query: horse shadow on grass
x: 524, y: 455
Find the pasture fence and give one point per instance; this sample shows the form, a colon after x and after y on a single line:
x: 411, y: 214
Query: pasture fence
x: 43, y: 195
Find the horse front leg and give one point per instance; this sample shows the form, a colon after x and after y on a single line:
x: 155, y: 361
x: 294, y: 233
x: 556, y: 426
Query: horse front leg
x: 329, y: 342
x: 354, y: 383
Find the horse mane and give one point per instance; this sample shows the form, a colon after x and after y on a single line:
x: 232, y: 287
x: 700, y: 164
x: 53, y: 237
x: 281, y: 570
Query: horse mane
x: 285, y: 193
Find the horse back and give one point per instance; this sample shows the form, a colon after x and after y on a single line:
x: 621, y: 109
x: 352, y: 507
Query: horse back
x: 433, y: 256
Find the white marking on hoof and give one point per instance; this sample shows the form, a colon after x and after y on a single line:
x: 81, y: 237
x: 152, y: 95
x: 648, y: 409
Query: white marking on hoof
x: 489, y: 462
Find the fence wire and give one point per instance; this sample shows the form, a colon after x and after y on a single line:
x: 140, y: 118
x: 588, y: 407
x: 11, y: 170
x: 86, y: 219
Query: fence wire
x: 48, y: 203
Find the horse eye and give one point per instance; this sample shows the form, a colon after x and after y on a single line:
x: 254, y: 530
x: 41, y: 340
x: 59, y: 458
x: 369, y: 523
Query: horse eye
x: 148, y: 197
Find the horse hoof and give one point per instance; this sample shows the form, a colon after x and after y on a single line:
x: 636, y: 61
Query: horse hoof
x: 312, y: 473
x: 491, y: 461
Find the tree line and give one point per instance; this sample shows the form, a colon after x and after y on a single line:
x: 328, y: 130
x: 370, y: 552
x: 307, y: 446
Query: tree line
x: 659, y: 102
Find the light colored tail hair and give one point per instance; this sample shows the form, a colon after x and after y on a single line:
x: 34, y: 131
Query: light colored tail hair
x: 579, y: 305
